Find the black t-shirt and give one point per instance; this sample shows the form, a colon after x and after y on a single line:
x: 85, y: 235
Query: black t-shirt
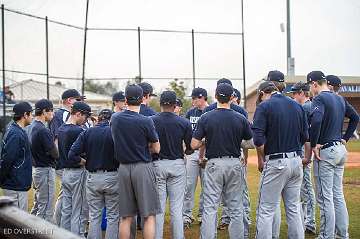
x: 280, y: 124
x: 233, y: 106
x: 41, y: 145
x: 223, y: 130
x: 146, y: 110
x: 173, y: 130
x: 132, y: 132
x: 97, y: 145
x: 327, y: 118
x: 193, y: 115
x: 67, y: 135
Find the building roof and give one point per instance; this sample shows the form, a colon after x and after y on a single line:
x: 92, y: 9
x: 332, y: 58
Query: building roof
x: 31, y: 90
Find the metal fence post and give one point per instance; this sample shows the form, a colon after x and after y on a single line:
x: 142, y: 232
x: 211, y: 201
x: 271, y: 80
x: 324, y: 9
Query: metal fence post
x: 47, y: 57
x: 193, y: 56
x: 3, y: 61
x: 84, y: 51
x: 139, y: 51
x: 243, y: 51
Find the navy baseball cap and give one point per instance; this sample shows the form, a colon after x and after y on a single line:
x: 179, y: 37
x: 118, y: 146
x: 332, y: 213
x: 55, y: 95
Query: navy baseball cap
x: 147, y: 89
x: 300, y: 86
x: 333, y: 80
x: 315, y: 76
x: 168, y: 97
x: 71, y: 93
x: 237, y: 93
x: 21, y: 108
x: 198, y: 92
x: 275, y: 76
x: 82, y: 107
x: 224, y: 90
x: 224, y: 80
x: 119, y: 96
x: 179, y: 103
x: 264, y: 85
x: 44, y: 104
x: 106, y: 114
x: 133, y: 92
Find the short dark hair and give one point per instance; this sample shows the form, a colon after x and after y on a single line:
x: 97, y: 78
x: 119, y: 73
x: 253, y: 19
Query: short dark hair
x: 19, y: 117
x: 39, y: 112
x: 134, y: 102
x: 336, y: 88
x: 321, y: 82
x: 279, y: 85
x: 223, y: 99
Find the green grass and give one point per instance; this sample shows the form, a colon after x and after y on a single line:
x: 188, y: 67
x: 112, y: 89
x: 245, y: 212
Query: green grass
x: 353, y: 146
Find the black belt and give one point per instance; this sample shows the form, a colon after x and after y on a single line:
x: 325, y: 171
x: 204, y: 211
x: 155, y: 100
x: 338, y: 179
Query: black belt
x: 220, y: 157
x: 328, y: 145
x: 102, y: 170
x: 158, y: 159
x: 283, y: 155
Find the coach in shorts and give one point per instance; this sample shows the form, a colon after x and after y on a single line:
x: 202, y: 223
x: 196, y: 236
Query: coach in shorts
x: 135, y: 139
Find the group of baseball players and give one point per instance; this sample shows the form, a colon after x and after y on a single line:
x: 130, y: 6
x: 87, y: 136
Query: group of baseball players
x: 132, y: 160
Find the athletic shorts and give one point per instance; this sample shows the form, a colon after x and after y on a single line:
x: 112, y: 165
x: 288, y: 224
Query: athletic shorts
x: 138, y: 190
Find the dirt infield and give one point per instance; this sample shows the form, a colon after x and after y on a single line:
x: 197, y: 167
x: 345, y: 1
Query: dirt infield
x: 353, y: 159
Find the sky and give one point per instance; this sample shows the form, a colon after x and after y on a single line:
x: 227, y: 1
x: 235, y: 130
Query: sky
x: 325, y: 35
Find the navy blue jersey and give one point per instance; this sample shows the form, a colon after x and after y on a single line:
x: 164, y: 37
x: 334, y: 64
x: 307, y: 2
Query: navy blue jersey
x: 41, y: 145
x: 223, y: 130
x: 327, y: 118
x: 194, y: 115
x: 353, y: 117
x: 233, y: 106
x: 307, y: 108
x: 280, y: 124
x: 15, y: 162
x: 60, y: 117
x: 67, y: 135
x: 96, y: 145
x: 146, y: 110
x: 132, y: 133
x: 173, y: 130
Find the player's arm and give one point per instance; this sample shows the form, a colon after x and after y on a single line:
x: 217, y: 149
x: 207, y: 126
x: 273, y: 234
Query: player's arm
x: 317, y: 112
x: 10, y: 154
x: 198, y: 135
x: 353, y: 117
x: 187, y: 139
x: 259, y: 128
x: 49, y: 144
x: 77, y: 149
x: 153, y: 138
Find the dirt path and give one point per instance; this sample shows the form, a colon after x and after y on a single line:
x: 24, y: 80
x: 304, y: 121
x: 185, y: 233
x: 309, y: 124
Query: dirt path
x: 353, y: 159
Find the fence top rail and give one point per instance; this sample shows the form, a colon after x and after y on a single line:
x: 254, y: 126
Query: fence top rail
x: 42, y: 18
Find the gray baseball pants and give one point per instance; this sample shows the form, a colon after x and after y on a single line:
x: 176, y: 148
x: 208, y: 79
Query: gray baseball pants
x: 225, y: 217
x: 103, y: 190
x: 308, y: 200
x: 193, y: 171
x: 223, y: 175
x: 280, y: 178
x: 44, y: 185
x: 171, y: 179
x: 73, y: 197
x: 58, y: 203
x: 20, y: 197
x: 328, y: 174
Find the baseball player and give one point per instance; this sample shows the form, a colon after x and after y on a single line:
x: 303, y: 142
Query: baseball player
x: 118, y: 100
x: 178, y: 106
x: 225, y: 217
x: 15, y: 162
x: 279, y: 161
x: 223, y: 130
x: 193, y: 168
x: 327, y: 142
x: 134, y: 139
x: 102, y: 180
x: 169, y: 164
x: 148, y: 93
x: 301, y: 94
x: 74, y: 174
x: 334, y: 84
x: 61, y: 116
x: 44, y: 154
x: 233, y: 106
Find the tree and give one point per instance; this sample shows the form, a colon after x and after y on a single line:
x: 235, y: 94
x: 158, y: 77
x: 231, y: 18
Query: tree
x: 180, y: 90
x: 105, y: 89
